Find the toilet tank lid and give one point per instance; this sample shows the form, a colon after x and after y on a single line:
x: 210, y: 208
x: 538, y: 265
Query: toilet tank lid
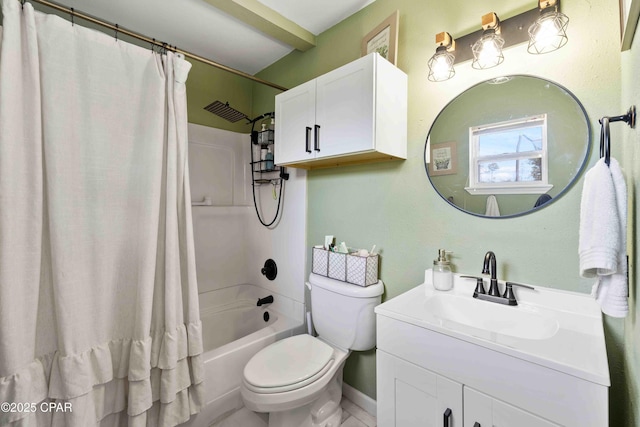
x: 345, y: 288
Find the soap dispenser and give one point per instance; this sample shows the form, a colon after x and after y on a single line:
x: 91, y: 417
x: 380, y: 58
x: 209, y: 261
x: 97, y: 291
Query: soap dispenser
x: 264, y: 137
x: 442, y: 275
x: 269, y: 158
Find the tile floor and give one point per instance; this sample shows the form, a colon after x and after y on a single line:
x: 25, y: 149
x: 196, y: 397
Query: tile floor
x: 352, y: 416
x: 355, y: 416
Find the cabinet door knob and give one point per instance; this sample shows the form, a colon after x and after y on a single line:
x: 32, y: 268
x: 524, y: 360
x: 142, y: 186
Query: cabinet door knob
x: 307, y: 147
x: 316, y: 145
x: 446, y: 419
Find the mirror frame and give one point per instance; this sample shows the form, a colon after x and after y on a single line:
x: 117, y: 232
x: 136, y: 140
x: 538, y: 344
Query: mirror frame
x: 565, y: 190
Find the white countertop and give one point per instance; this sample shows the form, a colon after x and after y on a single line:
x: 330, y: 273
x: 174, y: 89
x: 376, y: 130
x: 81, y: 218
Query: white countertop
x: 577, y: 348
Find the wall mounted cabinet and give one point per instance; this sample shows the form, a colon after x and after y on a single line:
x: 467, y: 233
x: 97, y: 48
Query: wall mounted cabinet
x: 354, y: 114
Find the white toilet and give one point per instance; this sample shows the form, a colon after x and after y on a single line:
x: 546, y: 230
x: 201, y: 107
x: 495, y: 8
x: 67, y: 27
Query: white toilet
x: 298, y: 380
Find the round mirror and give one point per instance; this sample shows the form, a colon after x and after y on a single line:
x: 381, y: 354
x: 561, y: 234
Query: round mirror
x: 508, y: 146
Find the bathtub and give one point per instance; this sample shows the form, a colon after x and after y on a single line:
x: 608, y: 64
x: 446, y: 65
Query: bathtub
x: 234, y: 328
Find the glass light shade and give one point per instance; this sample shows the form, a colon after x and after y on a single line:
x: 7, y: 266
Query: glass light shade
x: 548, y: 33
x: 487, y: 51
x: 441, y: 65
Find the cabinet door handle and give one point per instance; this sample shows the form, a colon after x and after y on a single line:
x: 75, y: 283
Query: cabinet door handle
x: 316, y: 143
x: 446, y: 419
x: 476, y: 424
x: 307, y: 148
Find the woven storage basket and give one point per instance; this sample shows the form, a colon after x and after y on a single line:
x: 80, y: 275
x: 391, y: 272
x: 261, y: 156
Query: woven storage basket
x: 350, y: 268
x: 362, y: 270
x: 320, y: 261
x: 338, y: 266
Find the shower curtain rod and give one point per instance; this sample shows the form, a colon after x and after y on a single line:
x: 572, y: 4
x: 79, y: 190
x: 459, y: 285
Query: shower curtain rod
x: 73, y: 12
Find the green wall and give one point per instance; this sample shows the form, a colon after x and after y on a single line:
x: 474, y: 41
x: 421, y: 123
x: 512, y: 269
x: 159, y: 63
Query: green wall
x: 207, y: 84
x: 394, y: 206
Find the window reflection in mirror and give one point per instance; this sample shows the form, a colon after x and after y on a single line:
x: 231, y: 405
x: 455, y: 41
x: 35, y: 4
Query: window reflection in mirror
x: 509, y: 157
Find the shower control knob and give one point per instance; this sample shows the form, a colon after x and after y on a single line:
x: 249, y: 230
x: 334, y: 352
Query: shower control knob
x: 270, y: 270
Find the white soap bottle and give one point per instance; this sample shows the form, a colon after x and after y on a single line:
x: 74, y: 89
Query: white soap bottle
x: 442, y: 275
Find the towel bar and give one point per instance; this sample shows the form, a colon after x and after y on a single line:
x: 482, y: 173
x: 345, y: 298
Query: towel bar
x: 629, y: 118
x: 605, y: 137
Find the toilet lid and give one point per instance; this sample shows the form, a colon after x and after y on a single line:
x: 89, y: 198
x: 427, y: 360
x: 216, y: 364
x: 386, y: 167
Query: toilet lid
x: 288, y: 361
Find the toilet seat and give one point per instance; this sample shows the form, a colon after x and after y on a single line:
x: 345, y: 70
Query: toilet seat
x: 288, y: 364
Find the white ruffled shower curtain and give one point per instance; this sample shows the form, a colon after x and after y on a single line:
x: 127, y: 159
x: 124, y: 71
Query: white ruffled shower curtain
x: 98, y: 296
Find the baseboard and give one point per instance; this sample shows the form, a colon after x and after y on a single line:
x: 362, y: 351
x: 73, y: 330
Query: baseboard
x: 360, y: 399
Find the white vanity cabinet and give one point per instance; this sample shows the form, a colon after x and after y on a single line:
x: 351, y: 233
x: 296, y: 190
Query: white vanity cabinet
x: 354, y: 114
x: 481, y: 410
x: 488, y: 373
x: 411, y: 396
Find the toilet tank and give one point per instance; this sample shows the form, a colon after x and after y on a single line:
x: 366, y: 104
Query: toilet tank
x: 343, y: 313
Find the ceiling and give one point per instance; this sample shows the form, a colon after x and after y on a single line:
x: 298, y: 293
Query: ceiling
x: 198, y: 26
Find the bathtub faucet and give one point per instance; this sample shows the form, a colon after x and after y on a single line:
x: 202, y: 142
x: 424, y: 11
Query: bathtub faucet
x: 265, y: 300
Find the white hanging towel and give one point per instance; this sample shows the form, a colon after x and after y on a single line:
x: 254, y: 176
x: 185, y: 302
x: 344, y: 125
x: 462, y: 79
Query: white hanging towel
x: 492, y: 206
x: 602, y: 240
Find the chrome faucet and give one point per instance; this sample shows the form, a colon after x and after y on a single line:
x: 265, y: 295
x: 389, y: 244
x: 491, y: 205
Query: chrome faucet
x: 489, y: 267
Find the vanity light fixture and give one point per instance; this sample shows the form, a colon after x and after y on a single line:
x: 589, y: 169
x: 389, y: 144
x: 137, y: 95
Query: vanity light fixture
x: 549, y: 31
x: 487, y: 51
x: 543, y: 27
x: 441, y: 63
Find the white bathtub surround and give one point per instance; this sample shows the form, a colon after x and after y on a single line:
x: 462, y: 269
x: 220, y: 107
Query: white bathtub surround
x: 247, y: 295
x: 231, y: 244
x: 231, y: 248
x: 98, y: 288
x: 219, y: 165
x: 285, y: 244
x: 218, y: 160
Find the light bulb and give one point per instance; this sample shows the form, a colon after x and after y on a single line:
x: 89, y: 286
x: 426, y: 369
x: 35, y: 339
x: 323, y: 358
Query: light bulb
x: 487, y: 51
x: 441, y: 66
x: 548, y: 33
x: 489, y: 54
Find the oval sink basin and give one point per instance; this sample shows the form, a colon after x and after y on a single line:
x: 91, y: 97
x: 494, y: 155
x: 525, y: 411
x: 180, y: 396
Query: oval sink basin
x: 517, y: 321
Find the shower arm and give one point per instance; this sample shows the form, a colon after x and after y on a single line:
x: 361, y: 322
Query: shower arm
x: 263, y: 116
